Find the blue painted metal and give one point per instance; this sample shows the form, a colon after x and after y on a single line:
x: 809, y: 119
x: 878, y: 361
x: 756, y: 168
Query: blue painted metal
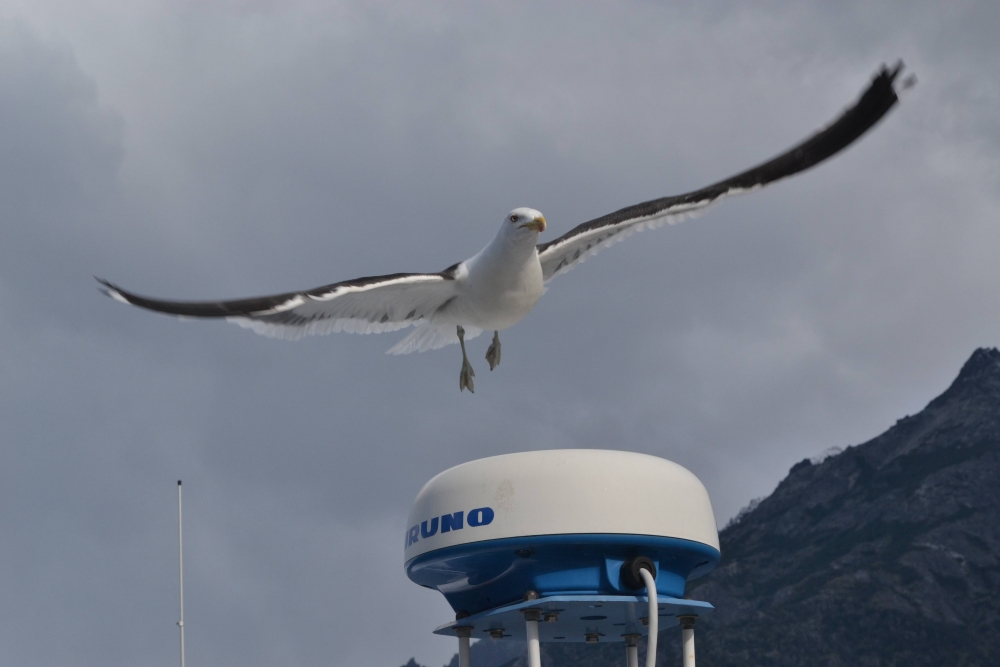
x: 572, y: 617
x: 479, y: 576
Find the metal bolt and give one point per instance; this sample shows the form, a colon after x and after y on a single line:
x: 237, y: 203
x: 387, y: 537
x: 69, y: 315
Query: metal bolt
x: 496, y: 633
x: 550, y: 617
x: 591, y: 637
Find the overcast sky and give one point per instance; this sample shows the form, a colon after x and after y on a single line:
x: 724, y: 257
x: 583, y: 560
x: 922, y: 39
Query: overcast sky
x: 226, y: 149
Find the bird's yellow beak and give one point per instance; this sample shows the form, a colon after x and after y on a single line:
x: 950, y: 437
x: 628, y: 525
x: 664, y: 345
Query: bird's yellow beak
x: 538, y: 224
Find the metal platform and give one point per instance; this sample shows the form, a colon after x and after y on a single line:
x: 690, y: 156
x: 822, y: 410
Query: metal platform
x: 577, y: 618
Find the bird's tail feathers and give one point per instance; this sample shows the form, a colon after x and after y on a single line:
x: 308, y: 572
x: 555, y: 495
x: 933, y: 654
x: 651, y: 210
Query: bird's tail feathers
x: 430, y: 336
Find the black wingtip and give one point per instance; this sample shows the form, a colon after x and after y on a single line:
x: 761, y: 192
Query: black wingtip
x: 892, y: 72
x: 887, y: 76
x: 105, y: 287
x: 881, y: 94
x: 110, y: 290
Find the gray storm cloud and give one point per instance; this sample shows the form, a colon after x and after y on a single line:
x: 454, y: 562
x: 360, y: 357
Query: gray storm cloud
x: 212, y: 151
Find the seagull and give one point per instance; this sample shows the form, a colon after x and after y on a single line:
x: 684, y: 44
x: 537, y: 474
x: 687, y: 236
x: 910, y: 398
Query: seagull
x: 498, y: 286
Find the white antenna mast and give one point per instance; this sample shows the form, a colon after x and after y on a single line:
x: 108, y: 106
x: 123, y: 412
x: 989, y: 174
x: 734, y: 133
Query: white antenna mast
x: 180, y: 553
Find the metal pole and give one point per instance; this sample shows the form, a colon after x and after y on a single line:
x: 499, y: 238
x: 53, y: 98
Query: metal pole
x: 687, y: 639
x: 534, y: 651
x: 464, y: 657
x: 632, y: 650
x: 180, y: 554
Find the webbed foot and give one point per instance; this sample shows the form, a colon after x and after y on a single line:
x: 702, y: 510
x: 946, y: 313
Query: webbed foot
x: 465, y: 377
x: 493, y: 353
x: 466, y: 374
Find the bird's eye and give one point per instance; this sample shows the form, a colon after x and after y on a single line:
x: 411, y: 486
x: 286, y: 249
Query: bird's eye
x: 513, y: 218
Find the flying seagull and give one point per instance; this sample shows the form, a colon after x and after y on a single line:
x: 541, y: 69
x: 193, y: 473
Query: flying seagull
x: 499, y: 286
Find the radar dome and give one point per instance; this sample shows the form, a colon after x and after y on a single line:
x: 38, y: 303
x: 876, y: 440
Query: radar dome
x: 558, y: 522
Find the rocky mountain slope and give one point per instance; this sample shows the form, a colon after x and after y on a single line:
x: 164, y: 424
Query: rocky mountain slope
x: 887, y: 553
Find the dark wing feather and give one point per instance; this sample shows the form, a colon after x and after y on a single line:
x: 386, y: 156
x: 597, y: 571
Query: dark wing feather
x: 364, y: 305
x: 586, y: 239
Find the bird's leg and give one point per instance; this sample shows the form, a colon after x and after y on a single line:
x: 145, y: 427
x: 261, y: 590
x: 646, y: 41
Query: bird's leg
x: 465, y: 377
x: 493, y: 354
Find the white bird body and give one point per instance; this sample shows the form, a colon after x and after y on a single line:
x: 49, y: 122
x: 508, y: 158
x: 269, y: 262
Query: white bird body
x: 494, y: 289
x: 500, y: 285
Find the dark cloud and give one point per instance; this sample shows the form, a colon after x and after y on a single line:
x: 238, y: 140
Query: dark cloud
x: 222, y: 151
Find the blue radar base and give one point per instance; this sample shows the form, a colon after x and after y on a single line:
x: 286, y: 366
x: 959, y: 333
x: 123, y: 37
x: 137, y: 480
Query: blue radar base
x: 576, y: 618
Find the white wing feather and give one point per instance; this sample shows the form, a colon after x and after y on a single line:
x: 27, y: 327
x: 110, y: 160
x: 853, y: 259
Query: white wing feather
x: 374, y: 308
x: 565, y: 255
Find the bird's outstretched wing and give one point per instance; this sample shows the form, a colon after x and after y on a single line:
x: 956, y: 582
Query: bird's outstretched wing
x: 581, y: 242
x: 365, y: 305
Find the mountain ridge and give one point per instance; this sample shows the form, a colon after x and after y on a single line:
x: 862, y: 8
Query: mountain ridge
x: 883, y: 554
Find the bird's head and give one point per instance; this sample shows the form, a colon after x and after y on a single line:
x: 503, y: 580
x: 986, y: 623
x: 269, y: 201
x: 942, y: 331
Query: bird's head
x: 524, y: 220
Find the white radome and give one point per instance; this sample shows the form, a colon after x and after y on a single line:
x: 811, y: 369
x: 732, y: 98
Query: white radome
x: 566, y: 492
